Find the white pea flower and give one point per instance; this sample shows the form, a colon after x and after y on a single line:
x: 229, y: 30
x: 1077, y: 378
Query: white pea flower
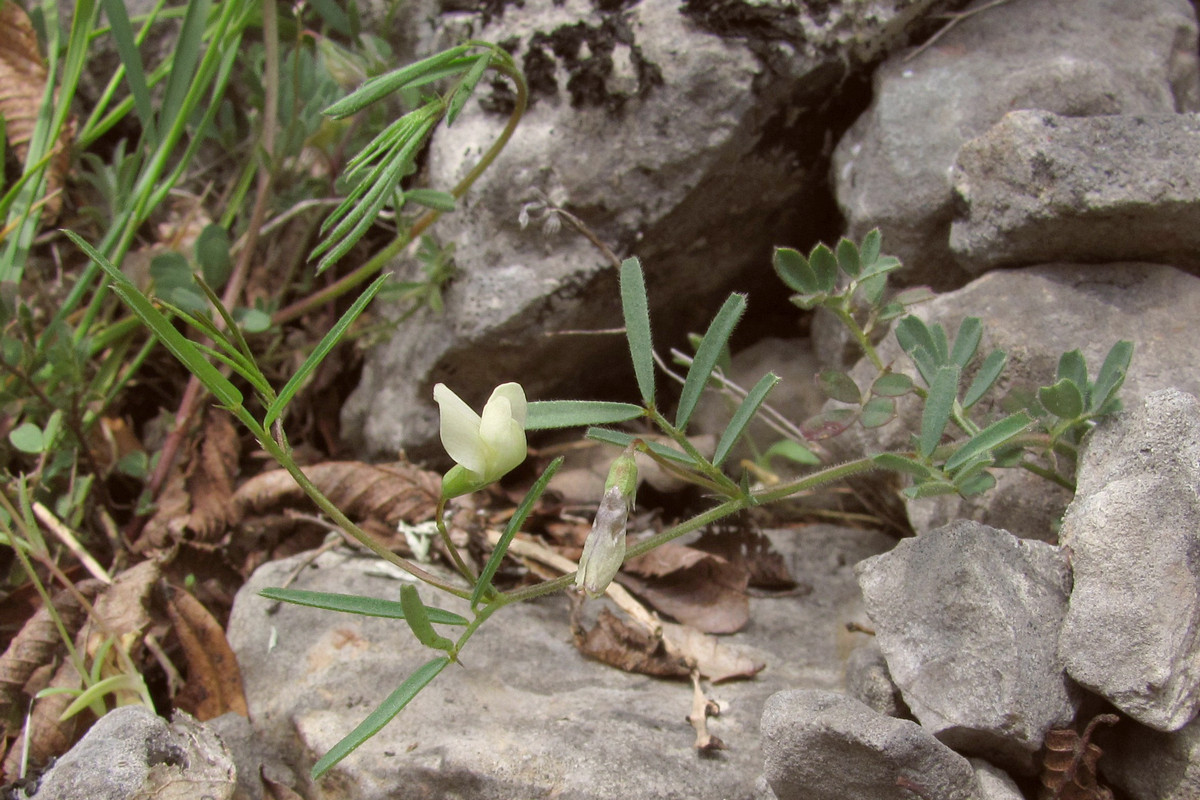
x: 486, y: 447
x: 604, y: 550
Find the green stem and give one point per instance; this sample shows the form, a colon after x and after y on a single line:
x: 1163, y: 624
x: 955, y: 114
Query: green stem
x: 455, y: 556
x: 714, y: 475
x: 279, y: 450
x: 381, y: 259
x: 864, y: 342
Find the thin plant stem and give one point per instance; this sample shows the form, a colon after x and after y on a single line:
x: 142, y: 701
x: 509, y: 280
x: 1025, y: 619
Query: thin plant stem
x: 455, y: 556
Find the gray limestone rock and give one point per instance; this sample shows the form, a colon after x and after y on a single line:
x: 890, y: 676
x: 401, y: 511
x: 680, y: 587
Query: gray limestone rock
x: 688, y: 136
x: 994, y: 783
x: 1132, y: 633
x: 132, y: 752
x: 1036, y: 314
x: 869, y: 681
x: 968, y: 617
x: 820, y: 745
x: 1038, y: 188
x: 892, y: 168
x: 527, y: 715
x: 1153, y: 765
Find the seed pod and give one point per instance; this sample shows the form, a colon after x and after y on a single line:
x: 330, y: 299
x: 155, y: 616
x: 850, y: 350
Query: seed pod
x: 604, y: 550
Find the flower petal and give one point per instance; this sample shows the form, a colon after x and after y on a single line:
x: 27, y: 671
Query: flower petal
x: 502, y: 435
x: 460, y: 430
x: 515, y: 395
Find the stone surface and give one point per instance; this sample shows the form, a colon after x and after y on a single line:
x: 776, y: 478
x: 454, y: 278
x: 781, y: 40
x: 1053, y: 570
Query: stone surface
x: 1132, y: 633
x: 1038, y: 188
x: 869, y: 681
x: 689, y: 136
x: 968, y: 617
x: 1077, y: 59
x: 1035, y: 315
x: 528, y: 716
x: 994, y: 783
x: 132, y: 752
x: 820, y: 745
x: 1152, y: 765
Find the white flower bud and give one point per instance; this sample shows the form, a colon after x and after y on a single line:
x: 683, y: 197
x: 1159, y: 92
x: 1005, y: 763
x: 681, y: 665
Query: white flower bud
x: 604, y: 550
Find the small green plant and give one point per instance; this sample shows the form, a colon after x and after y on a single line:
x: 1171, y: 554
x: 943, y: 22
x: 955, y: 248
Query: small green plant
x: 950, y: 452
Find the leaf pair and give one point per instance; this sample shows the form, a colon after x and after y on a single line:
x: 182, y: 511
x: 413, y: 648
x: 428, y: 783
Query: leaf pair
x: 1073, y: 397
x: 862, y: 269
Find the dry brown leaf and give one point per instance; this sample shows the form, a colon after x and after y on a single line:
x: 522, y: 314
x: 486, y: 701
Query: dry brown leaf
x: 121, y: 611
x: 1069, y: 765
x: 210, y: 476
x: 699, y: 589
x: 36, y: 645
x: 48, y: 738
x: 623, y: 645
x: 214, y: 682
x: 714, y: 659
x: 391, y: 492
x: 22, y: 84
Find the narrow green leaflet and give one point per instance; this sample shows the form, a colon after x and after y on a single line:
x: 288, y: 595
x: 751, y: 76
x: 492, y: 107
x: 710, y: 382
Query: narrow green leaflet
x: 382, y: 715
x: 383, y: 85
x: 431, y: 198
x: 838, y: 386
x: 623, y: 440
x: 1073, y: 367
x: 636, y: 308
x: 912, y: 332
x: 966, y: 342
x: 466, y: 87
x: 847, y: 258
x: 794, y: 270
x: 899, y: 463
x: 938, y: 405
x: 868, y: 251
x: 988, y: 373
x: 355, y: 604
x: 327, y: 343
x: 1112, y: 374
x: 892, y: 384
x: 546, y: 414
x: 825, y: 265
x: 180, y: 346
x: 742, y: 416
x: 514, y: 524
x: 991, y: 437
x: 1063, y: 399
x: 877, y: 412
x: 792, y: 451
x: 131, y: 60
x: 185, y: 59
x: 707, y: 355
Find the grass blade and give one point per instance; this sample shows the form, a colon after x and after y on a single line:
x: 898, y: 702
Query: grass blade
x: 546, y: 414
x: 742, y: 416
x: 183, y: 65
x: 354, y: 604
x: 514, y: 524
x: 318, y: 355
x: 131, y: 59
x: 636, y: 308
x: 180, y: 346
x: 382, y: 715
x: 707, y: 355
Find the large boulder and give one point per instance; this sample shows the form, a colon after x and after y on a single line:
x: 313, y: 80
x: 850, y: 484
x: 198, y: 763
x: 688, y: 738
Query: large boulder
x: 968, y: 618
x: 1077, y: 59
x: 1038, y: 188
x: 1132, y: 633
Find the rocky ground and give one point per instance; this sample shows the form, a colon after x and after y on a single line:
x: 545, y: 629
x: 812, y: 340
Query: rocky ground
x: 1036, y: 163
